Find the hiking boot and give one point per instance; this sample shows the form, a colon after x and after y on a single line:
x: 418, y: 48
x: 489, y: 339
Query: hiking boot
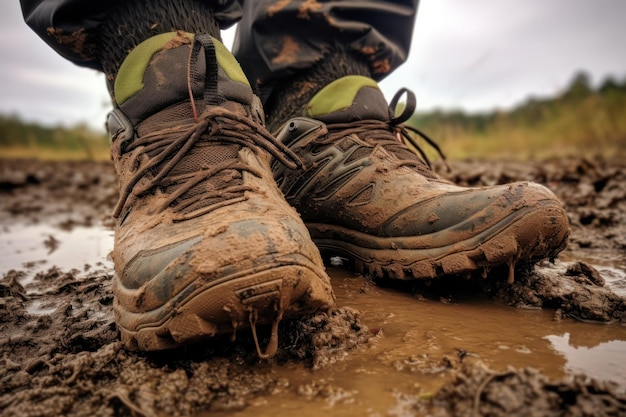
x: 205, y: 242
x: 366, y: 196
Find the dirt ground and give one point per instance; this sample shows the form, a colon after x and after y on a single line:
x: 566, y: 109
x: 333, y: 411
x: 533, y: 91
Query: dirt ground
x: 60, y: 355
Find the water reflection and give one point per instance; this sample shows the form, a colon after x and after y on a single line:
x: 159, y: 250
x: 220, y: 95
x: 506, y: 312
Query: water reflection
x: 41, y: 246
x: 615, y: 278
x: 603, y: 360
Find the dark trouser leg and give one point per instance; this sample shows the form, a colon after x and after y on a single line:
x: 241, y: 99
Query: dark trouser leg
x: 133, y: 22
x: 72, y: 27
x: 289, y: 50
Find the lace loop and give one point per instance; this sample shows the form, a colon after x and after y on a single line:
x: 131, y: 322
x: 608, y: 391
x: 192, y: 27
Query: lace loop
x: 388, y: 133
x: 409, y: 108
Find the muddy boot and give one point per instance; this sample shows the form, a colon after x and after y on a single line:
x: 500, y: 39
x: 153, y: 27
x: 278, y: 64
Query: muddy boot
x: 205, y: 242
x: 365, y: 195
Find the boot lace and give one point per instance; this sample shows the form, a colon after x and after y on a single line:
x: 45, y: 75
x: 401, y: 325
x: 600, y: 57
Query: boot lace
x: 160, y: 152
x: 392, y: 135
x: 156, y: 156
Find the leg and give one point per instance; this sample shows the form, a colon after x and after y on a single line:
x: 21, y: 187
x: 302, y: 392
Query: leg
x: 290, y: 50
x: 72, y: 27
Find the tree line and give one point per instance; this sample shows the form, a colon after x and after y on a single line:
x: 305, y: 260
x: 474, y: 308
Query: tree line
x: 579, y: 117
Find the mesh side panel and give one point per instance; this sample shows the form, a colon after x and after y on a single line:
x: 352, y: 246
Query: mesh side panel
x: 180, y: 114
x: 205, y: 155
x: 425, y: 171
x: 361, y: 152
x: 226, y: 178
x: 405, y: 154
x: 345, y: 144
x: 203, y: 203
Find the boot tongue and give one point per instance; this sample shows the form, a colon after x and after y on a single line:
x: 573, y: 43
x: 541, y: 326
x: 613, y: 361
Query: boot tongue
x: 348, y: 99
x: 152, y: 92
x: 154, y: 76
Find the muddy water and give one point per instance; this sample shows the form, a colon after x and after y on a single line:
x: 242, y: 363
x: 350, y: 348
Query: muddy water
x: 418, y: 335
x: 40, y: 246
x: 417, y: 339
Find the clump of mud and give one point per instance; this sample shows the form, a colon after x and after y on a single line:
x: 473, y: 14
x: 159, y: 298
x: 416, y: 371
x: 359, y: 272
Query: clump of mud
x: 473, y: 389
x: 573, y: 289
x: 60, y: 355
x: 476, y: 390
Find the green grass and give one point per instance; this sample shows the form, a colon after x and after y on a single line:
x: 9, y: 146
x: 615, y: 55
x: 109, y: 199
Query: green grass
x: 55, y: 154
x: 20, y: 139
x: 580, y: 122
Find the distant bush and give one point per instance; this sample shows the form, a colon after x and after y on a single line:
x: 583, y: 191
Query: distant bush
x: 22, y: 138
x: 579, y: 121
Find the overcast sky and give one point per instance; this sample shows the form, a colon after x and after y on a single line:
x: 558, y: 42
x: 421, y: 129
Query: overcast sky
x: 469, y: 54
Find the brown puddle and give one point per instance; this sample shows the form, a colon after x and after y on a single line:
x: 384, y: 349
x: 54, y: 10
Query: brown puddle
x: 417, y: 335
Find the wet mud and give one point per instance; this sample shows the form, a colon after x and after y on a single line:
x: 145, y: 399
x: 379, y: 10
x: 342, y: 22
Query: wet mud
x: 457, y: 347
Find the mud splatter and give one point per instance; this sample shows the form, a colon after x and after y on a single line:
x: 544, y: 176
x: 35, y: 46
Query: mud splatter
x: 277, y: 7
x: 288, y: 53
x: 381, y: 67
x: 181, y: 38
x: 78, y: 41
x: 574, y: 289
x: 307, y: 7
x: 51, y: 243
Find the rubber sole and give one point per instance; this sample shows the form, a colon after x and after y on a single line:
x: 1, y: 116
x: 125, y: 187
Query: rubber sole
x: 226, y: 305
x: 526, y: 235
